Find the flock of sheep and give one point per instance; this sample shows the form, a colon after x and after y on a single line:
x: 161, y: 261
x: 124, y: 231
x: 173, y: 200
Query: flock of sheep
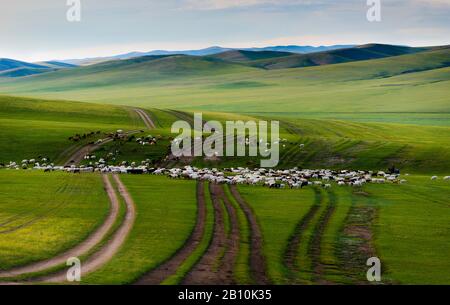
x: 273, y: 178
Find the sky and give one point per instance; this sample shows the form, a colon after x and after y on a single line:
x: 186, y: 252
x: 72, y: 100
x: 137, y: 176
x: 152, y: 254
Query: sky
x: 39, y: 30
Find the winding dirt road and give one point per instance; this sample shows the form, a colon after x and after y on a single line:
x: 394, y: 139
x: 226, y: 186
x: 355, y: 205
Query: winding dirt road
x: 107, y: 252
x: 146, y: 118
x: 78, y: 156
x: 82, y: 248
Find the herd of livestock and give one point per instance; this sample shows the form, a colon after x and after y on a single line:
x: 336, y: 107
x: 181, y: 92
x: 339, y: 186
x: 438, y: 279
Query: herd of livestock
x: 273, y: 178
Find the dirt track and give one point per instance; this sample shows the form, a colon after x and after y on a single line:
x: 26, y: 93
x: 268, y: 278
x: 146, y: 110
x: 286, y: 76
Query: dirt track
x: 107, y: 252
x: 81, y: 248
x: 79, y: 154
x: 170, y: 267
x: 356, y: 243
x: 315, y: 246
x: 216, y: 265
x: 258, y: 264
x: 291, y: 252
x: 146, y: 118
x: 232, y: 247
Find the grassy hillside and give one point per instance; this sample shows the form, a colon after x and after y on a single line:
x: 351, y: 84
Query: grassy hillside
x: 21, y: 72
x: 33, y: 128
x: 245, y: 56
x: 131, y: 71
x: 7, y: 64
x: 343, y: 144
x: 364, y: 52
x: 15, y: 68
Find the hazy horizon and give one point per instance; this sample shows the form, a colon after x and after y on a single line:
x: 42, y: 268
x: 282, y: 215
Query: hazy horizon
x: 211, y: 46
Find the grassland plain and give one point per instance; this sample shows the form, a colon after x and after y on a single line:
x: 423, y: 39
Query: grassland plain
x: 412, y: 251
x: 166, y: 211
x: 412, y: 230
x: 202, y: 247
x: 35, y: 225
x: 278, y: 212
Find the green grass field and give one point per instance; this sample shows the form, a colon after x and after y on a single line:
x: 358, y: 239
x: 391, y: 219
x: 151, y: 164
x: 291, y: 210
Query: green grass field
x: 164, y: 220
x: 412, y: 250
x: 413, y: 230
x: 35, y: 225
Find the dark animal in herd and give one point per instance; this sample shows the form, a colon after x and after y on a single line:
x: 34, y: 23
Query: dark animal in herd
x: 83, y: 136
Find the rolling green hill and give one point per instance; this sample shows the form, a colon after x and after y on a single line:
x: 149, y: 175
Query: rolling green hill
x: 364, y: 52
x: 245, y: 56
x: 22, y: 71
x: 15, y: 68
x: 56, y: 64
x: 32, y: 128
x: 8, y: 64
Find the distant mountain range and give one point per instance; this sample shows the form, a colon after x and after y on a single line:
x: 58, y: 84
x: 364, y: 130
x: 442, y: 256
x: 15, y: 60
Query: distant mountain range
x: 176, y: 65
x: 205, y: 52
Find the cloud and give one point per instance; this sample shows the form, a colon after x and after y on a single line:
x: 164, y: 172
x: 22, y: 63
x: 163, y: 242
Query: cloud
x: 228, y: 4
x: 434, y: 2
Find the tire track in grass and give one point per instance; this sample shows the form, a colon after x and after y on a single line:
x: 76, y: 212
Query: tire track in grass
x: 106, y: 253
x: 291, y: 254
x: 181, y: 116
x: 293, y: 154
x: 203, y: 271
x: 315, y: 244
x: 27, y: 221
x: 216, y: 266
x: 201, y: 248
x: 26, y: 213
x: 78, y: 250
x: 170, y: 267
x: 232, y: 248
x: 258, y: 265
x: 356, y: 242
